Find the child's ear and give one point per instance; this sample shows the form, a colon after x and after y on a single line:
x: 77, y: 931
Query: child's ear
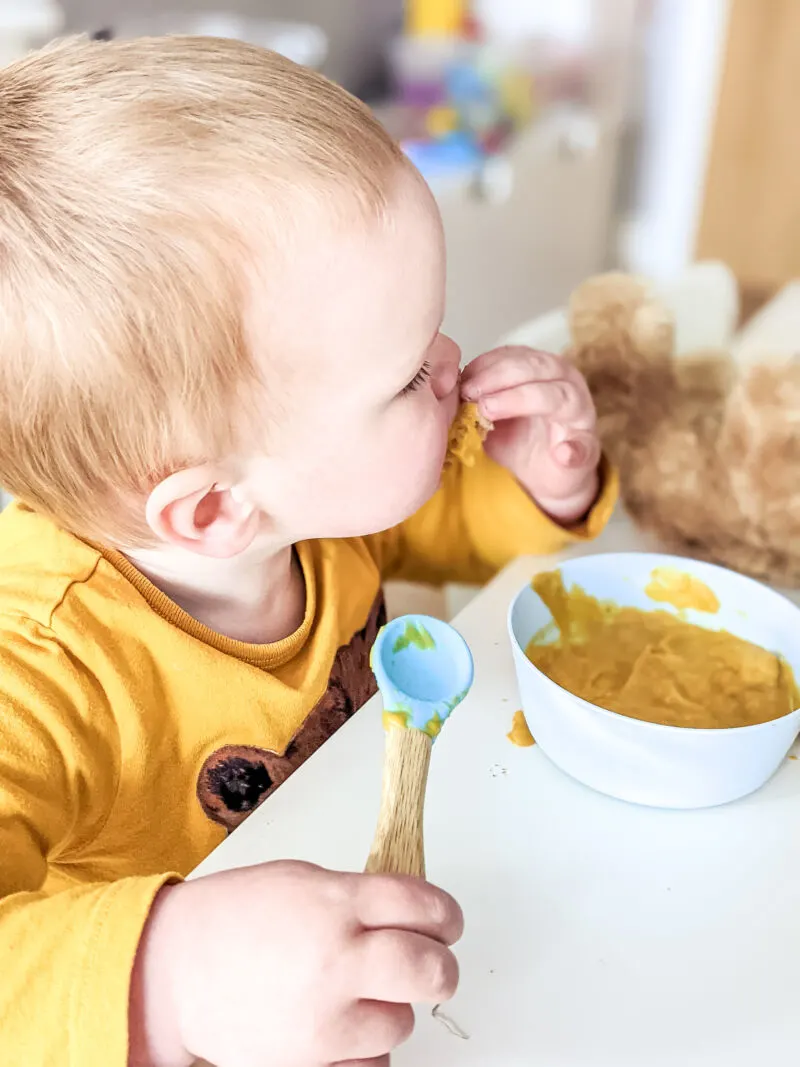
x: 198, y: 511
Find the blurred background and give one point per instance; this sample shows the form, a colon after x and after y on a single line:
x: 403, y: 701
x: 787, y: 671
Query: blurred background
x: 561, y: 137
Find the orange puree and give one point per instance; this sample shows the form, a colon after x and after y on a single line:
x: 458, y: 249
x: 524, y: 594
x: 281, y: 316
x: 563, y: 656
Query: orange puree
x: 655, y: 666
x: 683, y: 591
x: 520, y: 733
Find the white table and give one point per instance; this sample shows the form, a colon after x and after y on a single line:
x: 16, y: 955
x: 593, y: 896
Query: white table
x: 598, y: 934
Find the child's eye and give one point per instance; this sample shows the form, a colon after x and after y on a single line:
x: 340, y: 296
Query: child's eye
x: 422, y: 377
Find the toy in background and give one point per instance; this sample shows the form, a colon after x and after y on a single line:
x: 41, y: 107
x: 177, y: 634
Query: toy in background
x: 463, y: 96
x: 708, y: 452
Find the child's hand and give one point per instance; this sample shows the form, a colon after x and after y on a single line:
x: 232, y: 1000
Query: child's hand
x: 544, y: 421
x: 289, y: 964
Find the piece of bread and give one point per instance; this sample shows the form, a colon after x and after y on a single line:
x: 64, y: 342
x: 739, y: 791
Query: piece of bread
x: 467, y: 434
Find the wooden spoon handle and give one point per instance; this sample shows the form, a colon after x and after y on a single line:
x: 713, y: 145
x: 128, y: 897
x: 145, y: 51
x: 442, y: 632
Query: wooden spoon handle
x: 398, y: 845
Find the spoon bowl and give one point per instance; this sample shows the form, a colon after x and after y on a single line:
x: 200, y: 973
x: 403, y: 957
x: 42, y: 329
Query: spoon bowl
x: 423, y: 668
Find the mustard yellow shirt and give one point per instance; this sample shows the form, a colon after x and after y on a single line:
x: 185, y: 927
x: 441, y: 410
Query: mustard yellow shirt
x: 132, y: 738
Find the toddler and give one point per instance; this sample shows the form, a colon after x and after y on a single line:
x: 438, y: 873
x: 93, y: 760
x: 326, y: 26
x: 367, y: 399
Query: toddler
x: 224, y: 406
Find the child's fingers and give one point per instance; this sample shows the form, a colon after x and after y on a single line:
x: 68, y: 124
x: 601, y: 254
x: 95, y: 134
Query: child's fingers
x: 403, y: 968
x: 561, y: 400
x: 577, y: 452
x: 381, y: 1061
x: 408, y: 904
x: 505, y: 368
x: 489, y: 359
x: 369, y: 1029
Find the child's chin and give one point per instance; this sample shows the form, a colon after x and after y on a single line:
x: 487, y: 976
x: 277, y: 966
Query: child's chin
x: 413, y: 504
x: 423, y: 501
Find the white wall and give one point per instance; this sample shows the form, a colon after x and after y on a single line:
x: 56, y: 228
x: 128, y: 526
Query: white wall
x: 568, y: 21
x: 684, y: 54
x: 357, y: 29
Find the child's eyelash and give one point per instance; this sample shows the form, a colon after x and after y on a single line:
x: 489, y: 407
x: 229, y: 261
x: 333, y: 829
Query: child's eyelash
x: 422, y: 377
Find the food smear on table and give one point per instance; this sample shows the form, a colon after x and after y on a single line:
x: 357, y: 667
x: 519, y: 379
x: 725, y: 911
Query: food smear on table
x: 668, y: 585
x: 520, y: 733
x: 656, y: 666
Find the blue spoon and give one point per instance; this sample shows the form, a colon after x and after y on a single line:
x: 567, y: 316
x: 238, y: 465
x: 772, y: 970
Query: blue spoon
x: 424, y: 670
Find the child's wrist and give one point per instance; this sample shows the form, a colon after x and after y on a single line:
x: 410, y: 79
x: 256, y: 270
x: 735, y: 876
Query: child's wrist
x: 153, y: 1015
x: 572, y: 509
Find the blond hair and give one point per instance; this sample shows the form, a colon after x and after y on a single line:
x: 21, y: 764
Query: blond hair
x: 122, y: 348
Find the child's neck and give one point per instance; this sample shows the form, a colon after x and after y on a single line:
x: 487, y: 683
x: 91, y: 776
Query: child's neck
x: 258, y: 597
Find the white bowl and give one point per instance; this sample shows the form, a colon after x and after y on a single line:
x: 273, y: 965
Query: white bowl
x: 643, y: 762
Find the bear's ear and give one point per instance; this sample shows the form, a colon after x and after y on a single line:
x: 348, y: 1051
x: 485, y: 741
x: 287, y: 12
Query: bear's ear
x: 618, y: 313
x: 652, y: 332
x: 601, y: 309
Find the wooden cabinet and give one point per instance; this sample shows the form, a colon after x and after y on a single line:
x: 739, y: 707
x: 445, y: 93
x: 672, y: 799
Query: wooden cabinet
x: 751, y: 209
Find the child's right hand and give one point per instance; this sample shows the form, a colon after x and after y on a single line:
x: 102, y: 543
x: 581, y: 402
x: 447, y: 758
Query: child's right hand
x: 289, y: 965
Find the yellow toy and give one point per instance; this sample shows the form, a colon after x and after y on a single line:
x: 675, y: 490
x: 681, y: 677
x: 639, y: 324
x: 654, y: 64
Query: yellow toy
x: 435, y: 18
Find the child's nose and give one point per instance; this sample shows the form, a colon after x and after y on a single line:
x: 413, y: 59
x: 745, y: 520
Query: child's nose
x: 446, y: 366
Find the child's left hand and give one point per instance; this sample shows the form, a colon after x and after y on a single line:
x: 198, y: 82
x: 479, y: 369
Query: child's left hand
x: 544, y: 426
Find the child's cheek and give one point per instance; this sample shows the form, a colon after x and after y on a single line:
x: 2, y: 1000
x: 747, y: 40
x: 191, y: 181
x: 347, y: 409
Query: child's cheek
x: 415, y: 432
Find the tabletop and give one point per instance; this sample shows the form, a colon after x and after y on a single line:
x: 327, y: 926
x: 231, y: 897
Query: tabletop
x: 599, y: 934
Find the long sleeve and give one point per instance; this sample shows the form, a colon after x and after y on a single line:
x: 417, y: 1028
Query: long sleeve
x: 67, y: 952
x: 479, y: 521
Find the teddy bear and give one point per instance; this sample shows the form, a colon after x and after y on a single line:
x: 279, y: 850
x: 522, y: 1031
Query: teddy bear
x: 708, y: 454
